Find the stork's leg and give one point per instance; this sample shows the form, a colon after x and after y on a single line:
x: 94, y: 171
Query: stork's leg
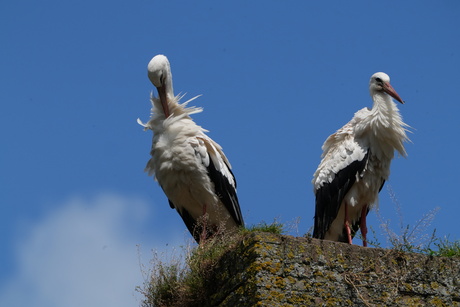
x: 363, y: 225
x: 347, y: 224
x: 203, y: 235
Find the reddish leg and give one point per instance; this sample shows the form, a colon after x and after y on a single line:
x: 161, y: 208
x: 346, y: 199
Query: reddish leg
x: 203, y: 235
x: 363, y: 225
x: 347, y: 224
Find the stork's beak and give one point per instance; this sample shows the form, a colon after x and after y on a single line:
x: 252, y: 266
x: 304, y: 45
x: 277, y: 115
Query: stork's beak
x: 164, y: 100
x: 391, y: 91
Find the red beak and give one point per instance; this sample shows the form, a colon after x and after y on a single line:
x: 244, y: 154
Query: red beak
x: 391, y: 91
x: 164, y: 100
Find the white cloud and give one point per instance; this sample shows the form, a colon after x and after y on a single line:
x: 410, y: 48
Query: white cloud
x: 82, y: 254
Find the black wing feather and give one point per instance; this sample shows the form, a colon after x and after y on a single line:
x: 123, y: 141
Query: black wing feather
x: 226, y: 192
x: 189, y: 221
x: 195, y: 228
x: 329, y: 197
x: 383, y: 183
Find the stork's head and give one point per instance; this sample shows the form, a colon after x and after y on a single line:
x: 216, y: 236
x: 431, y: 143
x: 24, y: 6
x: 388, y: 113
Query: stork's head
x: 159, y: 73
x: 380, y: 83
x: 158, y: 69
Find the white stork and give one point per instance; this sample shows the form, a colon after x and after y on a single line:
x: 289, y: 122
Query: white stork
x: 355, y: 164
x: 190, y: 167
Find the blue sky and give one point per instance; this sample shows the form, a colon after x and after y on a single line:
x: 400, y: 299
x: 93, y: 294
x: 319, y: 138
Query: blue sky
x: 276, y: 77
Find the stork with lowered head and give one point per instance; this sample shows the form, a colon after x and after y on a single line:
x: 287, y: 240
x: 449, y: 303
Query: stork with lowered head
x: 190, y: 167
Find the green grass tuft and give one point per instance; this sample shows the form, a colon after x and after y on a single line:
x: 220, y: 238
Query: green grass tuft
x: 275, y: 227
x: 445, y: 248
x: 181, y: 280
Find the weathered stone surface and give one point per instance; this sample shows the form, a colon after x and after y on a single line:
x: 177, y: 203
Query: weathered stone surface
x: 274, y: 270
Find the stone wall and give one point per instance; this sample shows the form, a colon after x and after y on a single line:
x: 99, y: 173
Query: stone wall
x: 275, y: 270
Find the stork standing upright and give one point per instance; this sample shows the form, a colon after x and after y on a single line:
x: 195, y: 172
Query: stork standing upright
x: 355, y: 164
x: 190, y: 167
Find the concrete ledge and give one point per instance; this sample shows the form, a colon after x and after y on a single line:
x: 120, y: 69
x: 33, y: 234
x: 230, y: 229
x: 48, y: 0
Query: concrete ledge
x: 275, y: 270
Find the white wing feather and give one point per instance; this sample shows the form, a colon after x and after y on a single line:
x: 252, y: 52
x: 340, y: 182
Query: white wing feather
x: 339, y: 150
x: 218, y: 157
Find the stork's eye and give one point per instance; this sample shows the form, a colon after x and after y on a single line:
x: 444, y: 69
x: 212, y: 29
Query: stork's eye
x: 378, y: 80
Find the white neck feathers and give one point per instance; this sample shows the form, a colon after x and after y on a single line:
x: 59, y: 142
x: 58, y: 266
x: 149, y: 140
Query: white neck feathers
x: 385, y: 124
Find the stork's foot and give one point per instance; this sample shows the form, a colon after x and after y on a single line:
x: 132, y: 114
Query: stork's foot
x: 347, y: 225
x: 204, y: 232
x: 203, y: 237
x: 363, y: 225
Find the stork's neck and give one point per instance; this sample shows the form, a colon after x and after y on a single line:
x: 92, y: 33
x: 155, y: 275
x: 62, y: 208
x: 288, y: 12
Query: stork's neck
x: 386, y: 127
x: 384, y: 109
